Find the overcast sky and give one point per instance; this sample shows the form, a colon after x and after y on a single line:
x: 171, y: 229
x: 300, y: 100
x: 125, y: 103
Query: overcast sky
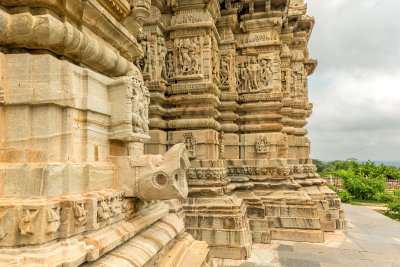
x: 356, y: 87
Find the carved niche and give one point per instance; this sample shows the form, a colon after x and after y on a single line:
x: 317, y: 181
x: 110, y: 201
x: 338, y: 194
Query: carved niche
x: 190, y: 142
x: 225, y: 70
x: 263, y: 145
x: 129, y: 99
x: 255, y: 74
x: 188, y: 56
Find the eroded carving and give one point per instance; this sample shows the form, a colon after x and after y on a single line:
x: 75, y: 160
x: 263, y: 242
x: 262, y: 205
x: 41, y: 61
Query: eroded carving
x: 190, y: 142
x: 53, y: 219
x: 80, y: 214
x: 26, y: 225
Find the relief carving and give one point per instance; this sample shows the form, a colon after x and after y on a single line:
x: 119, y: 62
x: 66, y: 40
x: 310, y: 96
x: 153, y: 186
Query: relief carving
x: 263, y: 145
x: 189, y: 62
x: 53, y: 220
x: 103, y: 210
x: 190, y: 142
x: 225, y: 70
x: 26, y: 225
x: 140, y: 98
x: 170, y: 66
x: 80, y: 214
x: 162, y: 53
x: 221, y: 146
x: 116, y: 205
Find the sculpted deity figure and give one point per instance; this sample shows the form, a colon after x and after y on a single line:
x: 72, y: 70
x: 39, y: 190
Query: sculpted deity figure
x: 140, y: 100
x: 147, y: 56
x: 184, y: 58
x: 253, y: 69
x: 265, y: 71
x: 224, y: 70
x: 245, y: 78
x: 170, y: 66
x: 162, y: 53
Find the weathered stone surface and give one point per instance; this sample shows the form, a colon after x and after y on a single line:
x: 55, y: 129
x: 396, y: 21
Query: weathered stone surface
x: 76, y: 185
x: 216, y: 89
x: 235, y: 93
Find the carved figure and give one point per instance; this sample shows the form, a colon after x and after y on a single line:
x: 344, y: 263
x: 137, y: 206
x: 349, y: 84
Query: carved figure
x: 53, y: 220
x: 224, y: 70
x: 80, y: 214
x: 162, y: 53
x: 188, y: 56
x: 140, y: 100
x: 245, y: 78
x: 265, y: 72
x: 253, y: 69
x: 170, y: 66
x: 26, y: 225
x: 103, y: 210
x: 147, y: 57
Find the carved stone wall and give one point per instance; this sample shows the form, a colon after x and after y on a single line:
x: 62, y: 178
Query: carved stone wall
x: 236, y: 95
x: 217, y: 87
x: 77, y: 187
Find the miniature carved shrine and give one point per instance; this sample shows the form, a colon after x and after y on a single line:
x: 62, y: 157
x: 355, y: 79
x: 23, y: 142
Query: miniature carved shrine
x: 111, y: 112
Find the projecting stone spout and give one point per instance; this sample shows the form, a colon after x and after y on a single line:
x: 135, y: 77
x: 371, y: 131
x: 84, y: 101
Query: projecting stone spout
x: 153, y: 177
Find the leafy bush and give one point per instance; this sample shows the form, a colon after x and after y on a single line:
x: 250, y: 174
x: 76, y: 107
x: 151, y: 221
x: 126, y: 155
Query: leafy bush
x: 396, y: 193
x: 345, y: 197
x: 394, y: 207
x: 360, y: 186
x: 384, y: 197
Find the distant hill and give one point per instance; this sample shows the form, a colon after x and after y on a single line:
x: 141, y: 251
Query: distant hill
x: 388, y: 163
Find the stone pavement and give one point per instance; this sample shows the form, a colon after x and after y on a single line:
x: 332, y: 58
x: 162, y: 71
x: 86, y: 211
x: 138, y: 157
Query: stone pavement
x: 372, y: 240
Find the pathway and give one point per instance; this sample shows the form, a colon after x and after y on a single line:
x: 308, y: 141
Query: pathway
x: 372, y: 240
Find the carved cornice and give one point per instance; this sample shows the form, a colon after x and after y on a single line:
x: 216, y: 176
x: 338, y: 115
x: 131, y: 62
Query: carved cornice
x: 118, y: 8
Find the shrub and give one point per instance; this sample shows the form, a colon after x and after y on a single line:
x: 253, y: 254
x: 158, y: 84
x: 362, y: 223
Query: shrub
x: 360, y: 186
x: 383, y: 197
x: 396, y: 193
x: 345, y: 197
x: 394, y: 207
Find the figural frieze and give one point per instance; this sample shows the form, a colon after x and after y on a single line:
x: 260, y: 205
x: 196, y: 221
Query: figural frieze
x: 188, y: 56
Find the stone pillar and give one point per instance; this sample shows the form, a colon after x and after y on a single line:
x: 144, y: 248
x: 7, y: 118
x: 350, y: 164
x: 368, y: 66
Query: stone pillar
x: 194, y: 101
x: 277, y: 207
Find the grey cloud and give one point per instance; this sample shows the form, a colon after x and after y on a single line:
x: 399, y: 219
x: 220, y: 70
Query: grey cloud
x: 355, y: 33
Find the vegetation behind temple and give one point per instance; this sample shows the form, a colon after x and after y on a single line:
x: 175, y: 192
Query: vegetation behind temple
x: 337, y: 168
x: 363, y: 181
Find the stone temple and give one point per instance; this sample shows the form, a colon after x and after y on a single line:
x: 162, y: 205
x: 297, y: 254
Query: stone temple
x: 155, y: 133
